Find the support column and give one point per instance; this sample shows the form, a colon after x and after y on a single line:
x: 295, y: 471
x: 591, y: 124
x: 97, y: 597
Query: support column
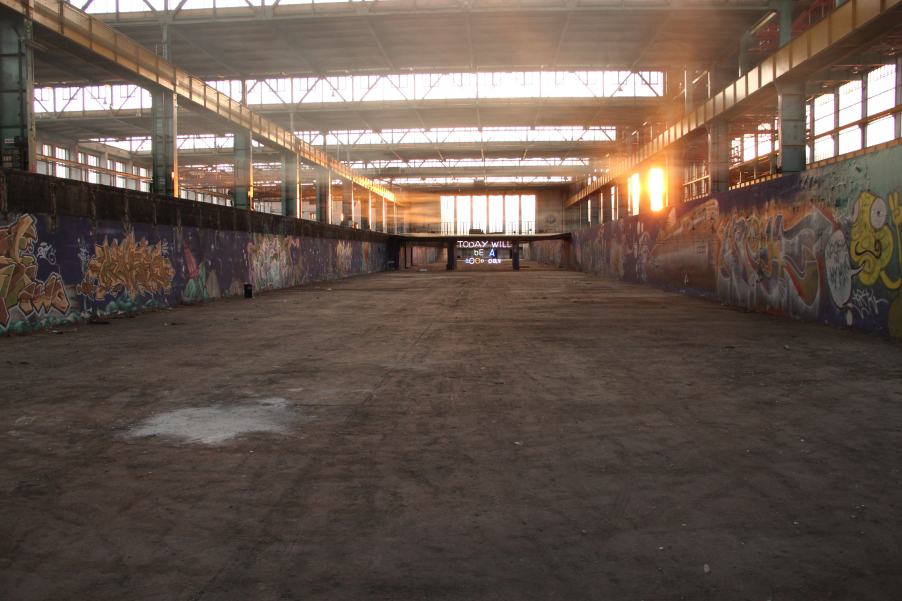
x: 347, y: 202
x: 17, y: 133
x: 452, y: 256
x: 745, y: 41
x: 673, y: 176
x: 367, y: 222
x: 382, y: 225
x: 594, y: 209
x: 864, y: 111
x: 323, y: 194
x: 897, y: 116
x: 719, y: 158
x: 809, y: 144
x: 835, y: 135
x: 784, y: 14
x: 291, y: 206
x: 623, y: 202
x: 791, y: 129
x: 244, y: 163
x: 244, y: 170
x: 607, y: 204
x: 687, y: 91
x: 515, y: 254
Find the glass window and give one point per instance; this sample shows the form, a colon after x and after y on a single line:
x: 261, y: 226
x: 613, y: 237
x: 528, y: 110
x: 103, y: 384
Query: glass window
x: 511, y: 213
x: 496, y: 215
x: 528, y: 214
x: 480, y: 212
x: 463, y: 215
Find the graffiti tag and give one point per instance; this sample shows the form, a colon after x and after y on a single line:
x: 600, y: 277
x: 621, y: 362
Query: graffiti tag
x: 865, y: 302
x: 19, y: 286
x: 135, y: 267
x: 839, y: 269
x: 46, y: 252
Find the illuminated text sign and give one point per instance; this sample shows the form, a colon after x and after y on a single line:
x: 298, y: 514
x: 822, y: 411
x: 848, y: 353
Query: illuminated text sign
x: 484, y: 250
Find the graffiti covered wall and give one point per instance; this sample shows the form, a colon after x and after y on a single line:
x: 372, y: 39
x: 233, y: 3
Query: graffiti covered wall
x: 57, y: 268
x: 823, y: 245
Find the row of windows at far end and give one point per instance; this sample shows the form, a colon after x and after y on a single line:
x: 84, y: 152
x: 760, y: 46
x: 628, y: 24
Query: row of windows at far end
x: 489, y: 214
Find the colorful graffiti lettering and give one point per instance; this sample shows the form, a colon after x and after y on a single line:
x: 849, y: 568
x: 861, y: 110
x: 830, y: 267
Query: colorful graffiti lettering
x: 769, y: 259
x: 20, y: 287
x: 344, y: 255
x: 136, y: 267
x: 872, y: 239
x: 269, y: 262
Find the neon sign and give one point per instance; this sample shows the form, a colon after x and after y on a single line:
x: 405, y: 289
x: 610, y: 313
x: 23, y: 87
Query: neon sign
x: 484, y: 251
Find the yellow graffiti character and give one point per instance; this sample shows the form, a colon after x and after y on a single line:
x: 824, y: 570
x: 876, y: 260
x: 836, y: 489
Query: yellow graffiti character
x: 872, y: 239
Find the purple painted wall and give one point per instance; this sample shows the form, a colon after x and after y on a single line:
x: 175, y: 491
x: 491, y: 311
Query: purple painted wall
x: 823, y: 245
x: 60, y: 263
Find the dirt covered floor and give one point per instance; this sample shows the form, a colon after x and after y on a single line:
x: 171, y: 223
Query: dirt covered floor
x: 540, y: 434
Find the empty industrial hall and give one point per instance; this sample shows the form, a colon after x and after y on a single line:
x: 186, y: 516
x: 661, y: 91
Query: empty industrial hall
x: 450, y: 300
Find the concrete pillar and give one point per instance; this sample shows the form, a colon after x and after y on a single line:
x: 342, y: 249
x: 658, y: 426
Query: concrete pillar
x: 323, y: 194
x: 809, y: 144
x: 673, y: 175
x: 382, y: 226
x: 896, y: 116
x: 244, y: 170
x: 452, y: 255
x: 394, y: 218
x: 623, y: 201
x: 745, y: 41
x: 347, y: 202
x: 607, y: 206
x: 784, y: 14
x: 291, y: 205
x: 835, y: 135
x: 17, y: 133
x: 791, y: 131
x: 366, y: 222
x: 515, y: 254
x: 243, y: 163
x: 719, y: 157
x: 687, y: 93
x: 594, y: 208
x: 864, y: 111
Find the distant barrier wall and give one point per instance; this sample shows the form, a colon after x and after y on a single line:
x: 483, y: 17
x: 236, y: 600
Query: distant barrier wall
x: 823, y: 245
x: 548, y: 252
x: 70, y: 250
x: 423, y: 255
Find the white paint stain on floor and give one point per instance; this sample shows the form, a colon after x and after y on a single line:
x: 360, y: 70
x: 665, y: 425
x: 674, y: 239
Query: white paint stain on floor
x: 218, y: 424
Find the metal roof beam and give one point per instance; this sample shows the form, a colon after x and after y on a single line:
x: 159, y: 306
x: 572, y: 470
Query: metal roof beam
x: 374, y: 8
x: 97, y: 42
x: 849, y: 27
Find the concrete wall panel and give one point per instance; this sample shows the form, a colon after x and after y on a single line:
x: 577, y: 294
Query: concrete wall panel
x: 74, y: 259
x: 822, y: 245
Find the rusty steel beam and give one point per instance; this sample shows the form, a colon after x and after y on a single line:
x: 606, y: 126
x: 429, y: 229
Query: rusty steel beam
x: 115, y: 50
x: 848, y: 27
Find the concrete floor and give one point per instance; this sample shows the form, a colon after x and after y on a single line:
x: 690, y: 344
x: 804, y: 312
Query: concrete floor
x: 540, y: 434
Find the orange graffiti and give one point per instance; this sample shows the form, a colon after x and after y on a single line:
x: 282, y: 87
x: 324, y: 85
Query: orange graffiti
x: 19, y: 286
x: 136, y: 267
